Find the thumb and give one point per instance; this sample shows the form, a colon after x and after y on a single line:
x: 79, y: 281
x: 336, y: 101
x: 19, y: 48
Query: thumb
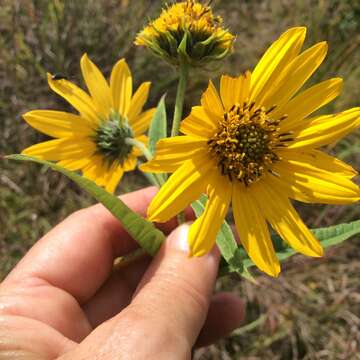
x: 177, y: 288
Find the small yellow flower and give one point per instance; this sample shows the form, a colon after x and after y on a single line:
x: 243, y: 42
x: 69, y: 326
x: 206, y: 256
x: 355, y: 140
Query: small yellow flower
x: 94, y: 141
x: 255, y: 146
x: 187, y: 30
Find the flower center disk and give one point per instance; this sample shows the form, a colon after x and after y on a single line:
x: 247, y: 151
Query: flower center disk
x: 110, y: 139
x: 245, y: 145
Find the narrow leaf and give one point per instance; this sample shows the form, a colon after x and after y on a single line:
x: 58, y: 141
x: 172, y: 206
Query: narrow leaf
x: 143, y: 231
x: 336, y: 234
x: 328, y: 236
x: 157, y: 131
x: 182, y: 49
x: 158, y: 126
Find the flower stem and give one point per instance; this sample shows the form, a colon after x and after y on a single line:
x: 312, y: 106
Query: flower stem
x: 146, y: 152
x: 178, y: 111
x: 180, y: 94
x: 141, y: 146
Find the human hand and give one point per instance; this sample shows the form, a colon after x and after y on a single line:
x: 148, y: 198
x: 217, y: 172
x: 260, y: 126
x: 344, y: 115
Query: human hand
x: 64, y: 299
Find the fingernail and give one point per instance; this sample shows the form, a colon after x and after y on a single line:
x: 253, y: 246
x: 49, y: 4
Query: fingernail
x: 178, y: 239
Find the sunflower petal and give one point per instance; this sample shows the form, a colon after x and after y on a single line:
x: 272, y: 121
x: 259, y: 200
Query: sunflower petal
x: 288, y: 189
x: 253, y: 231
x: 114, y: 177
x: 307, y: 102
x: 142, y: 122
x: 172, y: 152
x: 121, y: 87
x: 74, y: 164
x: 95, y: 170
x: 244, y: 86
x: 211, y: 101
x: 294, y: 76
x: 234, y: 90
x: 78, y: 98
x: 58, y: 124
x: 299, y: 190
x: 181, y: 189
x: 319, y: 160
x: 102, y: 174
x: 285, y: 221
x: 199, y: 123
x: 270, y: 66
x: 228, y: 90
x: 60, y: 149
x: 138, y: 101
x: 326, y: 129
x: 97, y: 86
x: 130, y: 163
x: 203, y: 232
x: 309, y: 183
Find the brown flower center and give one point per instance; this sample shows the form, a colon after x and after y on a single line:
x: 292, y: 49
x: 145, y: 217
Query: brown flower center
x: 246, y: 142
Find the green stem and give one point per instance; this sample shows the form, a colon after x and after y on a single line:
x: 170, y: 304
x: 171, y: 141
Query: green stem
x: 178, y: 111
x: 180, y: 94
x: 146, y: 152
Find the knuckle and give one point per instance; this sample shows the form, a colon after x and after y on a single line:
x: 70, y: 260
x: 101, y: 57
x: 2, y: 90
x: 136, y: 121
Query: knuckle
x: 182, y: 285
x: 185, y: 290
x: 137, y: 322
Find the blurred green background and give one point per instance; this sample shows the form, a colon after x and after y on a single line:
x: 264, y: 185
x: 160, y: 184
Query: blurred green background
x: 312, y: 311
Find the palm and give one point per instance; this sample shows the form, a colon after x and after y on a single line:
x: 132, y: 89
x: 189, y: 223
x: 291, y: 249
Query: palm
x: 66, y: 286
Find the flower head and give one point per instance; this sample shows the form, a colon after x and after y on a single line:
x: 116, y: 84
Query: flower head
x: 256, y: 146
x: 187, y: 30
x: 94, y: 141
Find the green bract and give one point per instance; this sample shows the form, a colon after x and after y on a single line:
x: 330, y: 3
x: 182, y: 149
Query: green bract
x: 187, y: 31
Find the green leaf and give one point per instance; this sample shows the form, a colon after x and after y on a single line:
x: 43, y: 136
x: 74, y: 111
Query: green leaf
x: 182, y: 48
x: 336, y: 234
x: 143, y: 231
x: 157, y: 131
x: 225, y: 240
x: 328, y: 236
x: 158, y: 126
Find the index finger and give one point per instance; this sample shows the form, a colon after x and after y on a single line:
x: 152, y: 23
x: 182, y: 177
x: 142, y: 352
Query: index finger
x: 77, y: 255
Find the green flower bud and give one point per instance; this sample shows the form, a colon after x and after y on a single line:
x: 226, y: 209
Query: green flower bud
x: 187, y: 31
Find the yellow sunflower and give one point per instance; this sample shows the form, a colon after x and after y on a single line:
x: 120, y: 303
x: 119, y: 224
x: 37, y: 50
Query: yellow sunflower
x: 256, y: 146
x: 96, y: 140
x: 205, y: 38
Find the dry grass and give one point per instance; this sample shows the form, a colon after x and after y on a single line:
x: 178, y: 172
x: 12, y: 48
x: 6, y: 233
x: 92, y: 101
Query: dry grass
x: 312, y: 311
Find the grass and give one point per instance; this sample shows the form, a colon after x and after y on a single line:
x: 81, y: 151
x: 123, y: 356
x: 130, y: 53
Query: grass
x: 312, y: 310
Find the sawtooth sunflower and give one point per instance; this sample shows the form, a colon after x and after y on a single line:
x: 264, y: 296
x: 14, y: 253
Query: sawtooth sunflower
x: 256, y: 146
x: 95, y: 140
